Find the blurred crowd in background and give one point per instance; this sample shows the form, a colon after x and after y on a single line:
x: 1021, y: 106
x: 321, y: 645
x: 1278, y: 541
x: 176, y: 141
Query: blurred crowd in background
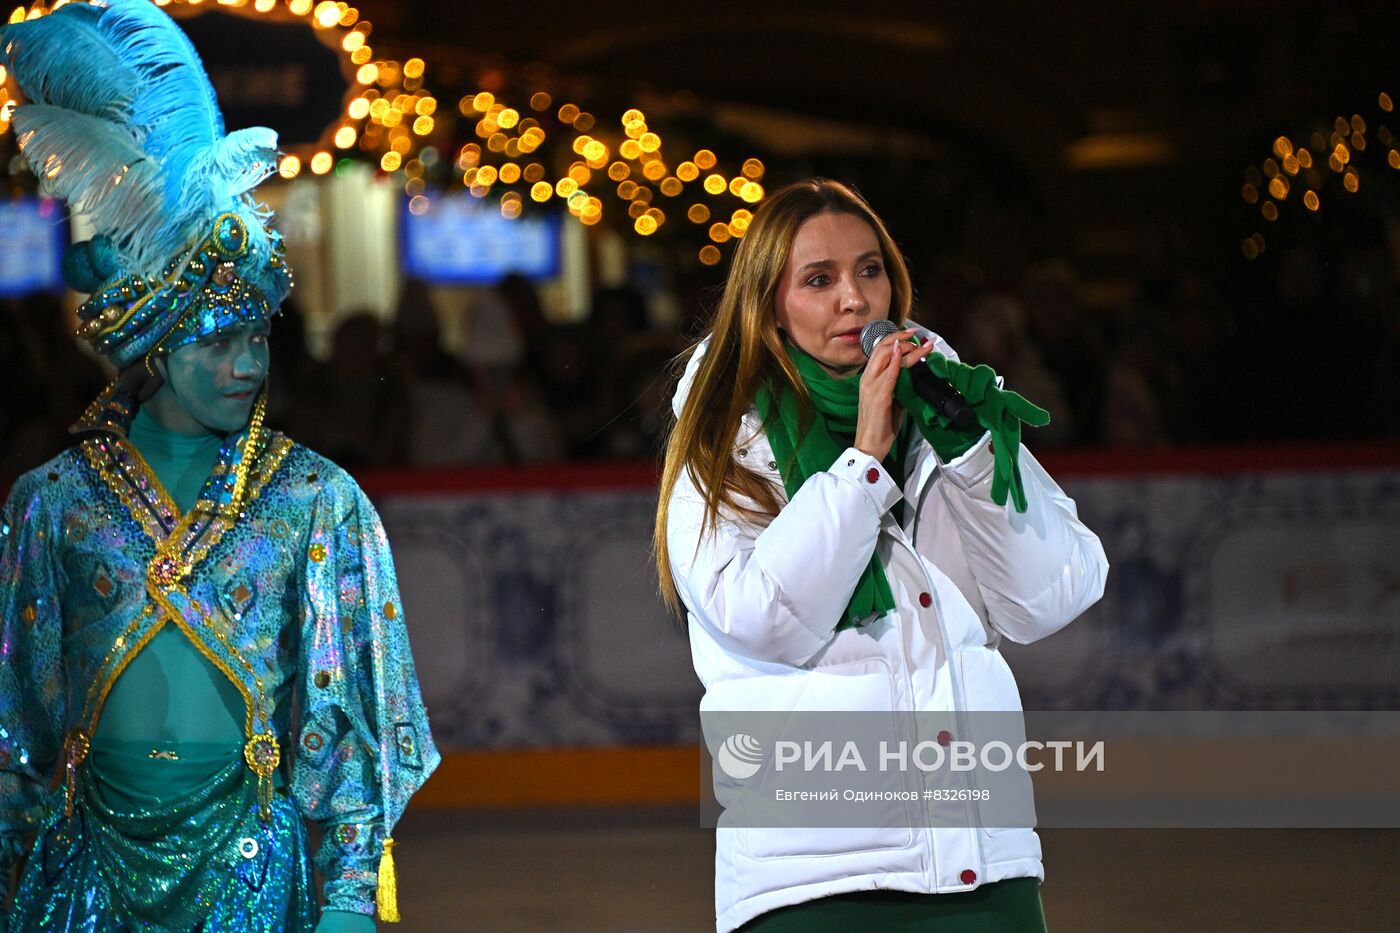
x: 1295, y: 350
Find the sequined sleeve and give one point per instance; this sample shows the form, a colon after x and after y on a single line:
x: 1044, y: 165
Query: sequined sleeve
x: 364, y: 746
x: 32, y: 693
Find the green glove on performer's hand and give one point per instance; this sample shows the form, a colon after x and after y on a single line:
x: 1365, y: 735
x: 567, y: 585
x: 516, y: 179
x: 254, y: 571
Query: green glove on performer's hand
x: 1001, y: 412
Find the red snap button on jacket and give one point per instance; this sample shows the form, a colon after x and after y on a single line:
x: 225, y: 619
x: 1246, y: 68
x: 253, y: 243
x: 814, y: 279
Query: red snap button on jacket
x: 872, y: 475
x: 925, y: 600
x: 945, y: 737
x: 968, y: 876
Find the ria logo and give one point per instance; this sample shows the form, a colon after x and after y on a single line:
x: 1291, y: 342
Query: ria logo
x: 740, y: 756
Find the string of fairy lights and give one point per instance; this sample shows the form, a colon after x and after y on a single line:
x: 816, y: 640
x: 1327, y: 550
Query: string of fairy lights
x: 523, y: 155
x: 338, y: 23
x: 630, y: 164
x: 1297, y: 171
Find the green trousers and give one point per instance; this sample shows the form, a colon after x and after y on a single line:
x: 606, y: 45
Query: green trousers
x: 1011, y: 906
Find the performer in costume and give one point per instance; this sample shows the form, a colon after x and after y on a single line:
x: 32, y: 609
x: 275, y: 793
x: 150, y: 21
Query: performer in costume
x: 202, y: 638
x: 837, y: 544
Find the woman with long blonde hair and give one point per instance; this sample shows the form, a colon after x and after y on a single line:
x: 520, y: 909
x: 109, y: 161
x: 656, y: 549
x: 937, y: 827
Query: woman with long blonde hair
x: 837, y: 544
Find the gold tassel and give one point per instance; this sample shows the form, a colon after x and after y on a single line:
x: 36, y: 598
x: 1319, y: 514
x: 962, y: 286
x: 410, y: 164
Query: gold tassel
x: 263, y: 754
x: 387, y: 897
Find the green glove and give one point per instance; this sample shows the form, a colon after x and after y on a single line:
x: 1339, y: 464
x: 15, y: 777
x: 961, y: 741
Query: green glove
x: 1001, y: 412
x: 344, y: 921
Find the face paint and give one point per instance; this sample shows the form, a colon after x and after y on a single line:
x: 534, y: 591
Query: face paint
x: 216, y: 379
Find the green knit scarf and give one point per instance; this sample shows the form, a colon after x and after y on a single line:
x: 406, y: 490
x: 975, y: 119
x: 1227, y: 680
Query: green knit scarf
x: 802, y: 450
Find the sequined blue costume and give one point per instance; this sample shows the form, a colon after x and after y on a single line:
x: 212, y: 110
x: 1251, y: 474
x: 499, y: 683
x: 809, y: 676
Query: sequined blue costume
x: 281, y: 577
x: 244, y: 640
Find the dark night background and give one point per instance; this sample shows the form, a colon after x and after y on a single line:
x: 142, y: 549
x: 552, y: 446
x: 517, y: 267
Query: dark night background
x: 1065, y: 179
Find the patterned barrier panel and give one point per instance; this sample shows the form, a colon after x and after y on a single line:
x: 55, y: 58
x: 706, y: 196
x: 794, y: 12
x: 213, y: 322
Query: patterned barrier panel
x: 535, y: 619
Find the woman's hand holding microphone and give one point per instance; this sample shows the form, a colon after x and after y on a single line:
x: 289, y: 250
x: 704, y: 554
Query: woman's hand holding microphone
x: 880, y: 416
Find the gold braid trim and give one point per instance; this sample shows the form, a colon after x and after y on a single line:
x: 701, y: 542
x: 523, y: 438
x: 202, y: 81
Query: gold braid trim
x: 123, y: 487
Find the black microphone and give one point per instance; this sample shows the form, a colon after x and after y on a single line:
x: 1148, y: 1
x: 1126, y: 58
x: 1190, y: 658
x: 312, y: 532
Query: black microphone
x: 937, y: 392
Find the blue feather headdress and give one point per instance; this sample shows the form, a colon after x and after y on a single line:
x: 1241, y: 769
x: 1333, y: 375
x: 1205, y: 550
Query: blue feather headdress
x: 122, y: 123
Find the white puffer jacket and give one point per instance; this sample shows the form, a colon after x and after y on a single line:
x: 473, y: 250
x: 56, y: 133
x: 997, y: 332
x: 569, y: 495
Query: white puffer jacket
x: 964, y: 572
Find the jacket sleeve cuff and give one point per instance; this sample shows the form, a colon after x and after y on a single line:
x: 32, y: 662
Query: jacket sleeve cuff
x: 351, y: 893
x: 859, y: 468
x: 348, y: 861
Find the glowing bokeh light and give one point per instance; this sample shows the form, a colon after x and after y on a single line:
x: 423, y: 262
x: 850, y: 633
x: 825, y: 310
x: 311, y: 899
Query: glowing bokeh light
x: 327, y: 14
